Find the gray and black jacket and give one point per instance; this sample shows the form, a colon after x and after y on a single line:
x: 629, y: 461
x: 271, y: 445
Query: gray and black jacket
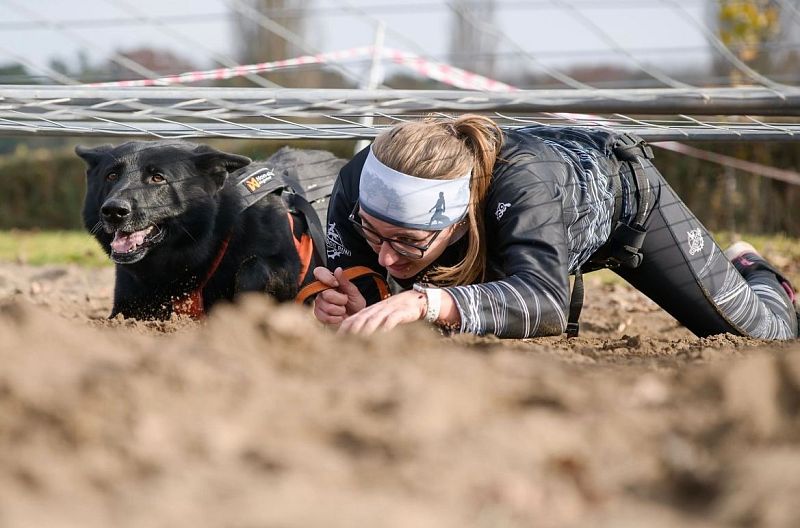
x: 548, y: 209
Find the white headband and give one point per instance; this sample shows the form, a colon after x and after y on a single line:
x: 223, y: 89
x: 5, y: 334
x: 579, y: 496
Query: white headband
x: 411, y: 202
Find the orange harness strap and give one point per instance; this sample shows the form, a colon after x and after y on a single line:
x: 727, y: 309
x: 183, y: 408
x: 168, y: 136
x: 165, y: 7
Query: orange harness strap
x: 305, y: 250
x: 350, y: 273
x: 191, y: 303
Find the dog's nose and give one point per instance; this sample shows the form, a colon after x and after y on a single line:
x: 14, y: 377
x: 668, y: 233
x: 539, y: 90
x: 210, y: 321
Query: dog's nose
x: 115, y: 211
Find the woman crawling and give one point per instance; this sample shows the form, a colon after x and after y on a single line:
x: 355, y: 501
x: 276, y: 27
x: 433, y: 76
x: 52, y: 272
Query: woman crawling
x: 481, y: 229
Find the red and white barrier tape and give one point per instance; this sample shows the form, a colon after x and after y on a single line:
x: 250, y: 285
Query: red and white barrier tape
x: 766, y: 171
x: 441, y: 72
x: 447, y: 74
x: 239, y: 71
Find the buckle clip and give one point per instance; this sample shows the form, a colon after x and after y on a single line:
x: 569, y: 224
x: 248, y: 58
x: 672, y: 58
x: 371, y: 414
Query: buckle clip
x: 572, y: 330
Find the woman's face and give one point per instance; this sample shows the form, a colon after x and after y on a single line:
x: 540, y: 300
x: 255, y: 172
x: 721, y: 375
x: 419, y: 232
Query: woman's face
x: 400, y: 266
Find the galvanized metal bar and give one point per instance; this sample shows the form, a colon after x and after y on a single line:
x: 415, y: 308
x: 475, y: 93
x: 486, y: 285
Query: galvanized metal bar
x: 284, y: 131
x: 705, y: 101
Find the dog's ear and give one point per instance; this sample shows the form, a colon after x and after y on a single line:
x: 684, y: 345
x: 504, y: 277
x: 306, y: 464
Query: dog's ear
x: 217, y: 164
x: 93, y: 155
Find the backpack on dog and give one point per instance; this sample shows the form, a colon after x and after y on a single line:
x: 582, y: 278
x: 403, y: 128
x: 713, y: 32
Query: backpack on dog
x: 304, y: 179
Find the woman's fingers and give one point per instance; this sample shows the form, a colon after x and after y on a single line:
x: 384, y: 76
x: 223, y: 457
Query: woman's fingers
x: 394, y: 319
x: 375, y: 322
x: 324, y: 275
x: 385, y: 315
x: 330, y: 308
x: 366, y: 321
x: 353, y: 324
x: 342, y: 292
x: 344, y: 283
x: 334, y: 297
x: 326, y: 317
x: 355, y: 301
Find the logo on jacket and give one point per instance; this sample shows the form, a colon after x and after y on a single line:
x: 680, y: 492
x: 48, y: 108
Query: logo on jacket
x: 501, y: 209
x: 695, y: 241
x: 258, y: 179
x: 333, y: 242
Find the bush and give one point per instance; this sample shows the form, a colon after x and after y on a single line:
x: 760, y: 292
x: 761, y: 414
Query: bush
x: 44, y: 189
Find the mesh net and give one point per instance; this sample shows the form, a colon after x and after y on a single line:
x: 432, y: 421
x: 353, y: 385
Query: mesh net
x: 183, y: 112
x: 156, y: 105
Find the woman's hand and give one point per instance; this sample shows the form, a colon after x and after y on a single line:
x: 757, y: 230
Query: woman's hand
x: 335, y: 305
x: 405, y: 307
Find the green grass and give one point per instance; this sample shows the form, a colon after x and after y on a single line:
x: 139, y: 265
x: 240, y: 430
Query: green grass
x: 76, y: 247
x: 38, y: 248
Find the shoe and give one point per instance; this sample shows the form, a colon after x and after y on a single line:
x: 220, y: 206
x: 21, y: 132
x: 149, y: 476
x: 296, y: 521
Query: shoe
x: 745, y: 258
x: 739, y: 249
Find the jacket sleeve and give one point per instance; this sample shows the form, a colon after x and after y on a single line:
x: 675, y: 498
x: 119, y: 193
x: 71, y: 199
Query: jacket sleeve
x: 344, y: 246
x: 527, y: 245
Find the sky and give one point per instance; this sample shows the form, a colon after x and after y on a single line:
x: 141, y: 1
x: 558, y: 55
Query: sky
x: 552, y: 32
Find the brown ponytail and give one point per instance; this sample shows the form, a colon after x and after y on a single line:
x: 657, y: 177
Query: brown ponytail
x: 444, y: 149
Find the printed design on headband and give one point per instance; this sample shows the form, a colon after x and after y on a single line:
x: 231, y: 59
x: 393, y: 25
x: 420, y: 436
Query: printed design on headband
x: 333, y: 242
x: 695, y: 241
x: 411, y: 201
x: 501, y: 209
x: 438, y: 212
x: 381, y: 196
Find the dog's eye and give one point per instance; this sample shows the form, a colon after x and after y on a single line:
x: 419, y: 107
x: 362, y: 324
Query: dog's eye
x: 112, y: 176
x: 157, y: 178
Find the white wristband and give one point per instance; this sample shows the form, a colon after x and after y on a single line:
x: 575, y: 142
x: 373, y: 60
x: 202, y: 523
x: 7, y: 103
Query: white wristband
x: 433, y: 301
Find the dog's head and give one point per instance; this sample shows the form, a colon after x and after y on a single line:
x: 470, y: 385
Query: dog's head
x: 143, y: 194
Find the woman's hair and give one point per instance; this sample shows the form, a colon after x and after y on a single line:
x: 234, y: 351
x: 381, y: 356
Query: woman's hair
x: 444, y: 149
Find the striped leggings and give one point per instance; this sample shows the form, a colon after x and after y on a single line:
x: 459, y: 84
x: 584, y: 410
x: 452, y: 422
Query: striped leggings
x: 686, y: 273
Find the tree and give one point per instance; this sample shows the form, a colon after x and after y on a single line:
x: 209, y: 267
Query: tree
x: 751, y: 29
x: 163, y: 62
x: 262, y: 28
x: 748, y: 28
x: 471, y: 46
x: 258, y: 44
x: 785, y: 56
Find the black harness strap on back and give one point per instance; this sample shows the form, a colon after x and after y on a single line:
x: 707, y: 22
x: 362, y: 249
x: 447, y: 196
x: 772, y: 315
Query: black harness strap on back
x: 302, y: 206
x: 624, y: 245
x: 253, y: 186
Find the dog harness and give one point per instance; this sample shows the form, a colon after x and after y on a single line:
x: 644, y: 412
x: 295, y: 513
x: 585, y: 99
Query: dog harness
x: 312, y: 289
x: 191, y: 304
x: 306, y: 232
x: 304, y: 245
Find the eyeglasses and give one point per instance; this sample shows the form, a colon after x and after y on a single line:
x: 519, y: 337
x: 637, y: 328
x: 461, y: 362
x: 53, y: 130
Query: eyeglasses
x: 405, y: 249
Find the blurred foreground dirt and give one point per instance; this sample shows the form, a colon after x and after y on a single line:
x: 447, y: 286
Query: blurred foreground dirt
x: 258, y: 417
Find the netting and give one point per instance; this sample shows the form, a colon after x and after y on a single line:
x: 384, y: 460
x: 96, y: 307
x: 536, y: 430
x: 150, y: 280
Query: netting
x: 314, y: 114
x: 157, y: 105
x: 604, y: 65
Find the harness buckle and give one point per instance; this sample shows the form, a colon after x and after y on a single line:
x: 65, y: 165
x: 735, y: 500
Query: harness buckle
x: 573, y: 330
x: 628, y: 147
x: 575, y: 305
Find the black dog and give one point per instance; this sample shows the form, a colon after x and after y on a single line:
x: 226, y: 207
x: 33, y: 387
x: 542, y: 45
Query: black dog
x: 185, y: 230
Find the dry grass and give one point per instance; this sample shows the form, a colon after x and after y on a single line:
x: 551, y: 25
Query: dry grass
x: 75, y: 247
x: 39, y: 248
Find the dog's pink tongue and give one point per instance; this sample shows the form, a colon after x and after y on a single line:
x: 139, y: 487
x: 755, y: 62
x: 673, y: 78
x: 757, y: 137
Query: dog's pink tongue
x: 126, y: 242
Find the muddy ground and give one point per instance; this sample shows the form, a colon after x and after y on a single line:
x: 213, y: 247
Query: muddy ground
x: 260, y: 418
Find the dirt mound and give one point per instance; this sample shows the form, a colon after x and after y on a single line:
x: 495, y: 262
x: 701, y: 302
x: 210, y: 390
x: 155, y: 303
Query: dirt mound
x: 259, y: 417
